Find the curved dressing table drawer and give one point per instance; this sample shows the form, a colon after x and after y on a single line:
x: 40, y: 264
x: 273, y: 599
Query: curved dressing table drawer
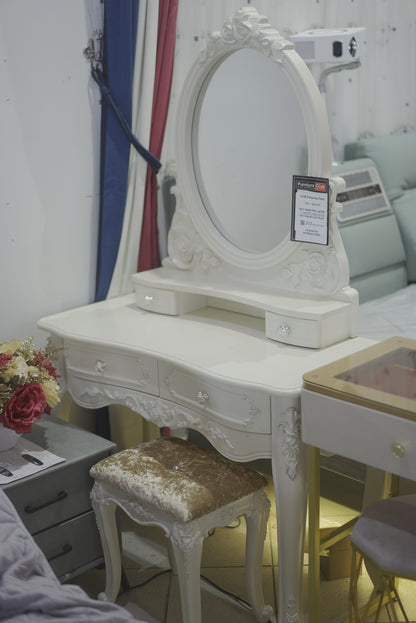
x: 249, y: 409
x: 104, y: 366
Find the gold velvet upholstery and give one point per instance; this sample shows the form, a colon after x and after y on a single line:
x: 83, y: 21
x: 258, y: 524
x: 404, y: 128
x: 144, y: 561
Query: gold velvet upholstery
x: 178, y: 477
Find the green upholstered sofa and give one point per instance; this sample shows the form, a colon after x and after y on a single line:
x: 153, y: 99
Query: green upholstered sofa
x: 381, y: 248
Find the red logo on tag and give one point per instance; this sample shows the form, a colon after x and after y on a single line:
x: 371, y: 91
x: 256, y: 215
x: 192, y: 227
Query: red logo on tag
x: 320, y: 186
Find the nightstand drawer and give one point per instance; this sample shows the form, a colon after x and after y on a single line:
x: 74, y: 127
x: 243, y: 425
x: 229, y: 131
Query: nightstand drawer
x: 121, y: 370
x: 249, y: 409
x: 72, y: 545
x: 54, y: 495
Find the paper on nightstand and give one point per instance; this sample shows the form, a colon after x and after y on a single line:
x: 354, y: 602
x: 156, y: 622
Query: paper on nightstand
x: 17, y: 466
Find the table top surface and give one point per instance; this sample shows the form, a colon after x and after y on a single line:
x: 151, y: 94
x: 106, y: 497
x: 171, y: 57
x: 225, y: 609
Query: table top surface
x: 382, y: 377
x: 67, y: 441
x: 222, y: 343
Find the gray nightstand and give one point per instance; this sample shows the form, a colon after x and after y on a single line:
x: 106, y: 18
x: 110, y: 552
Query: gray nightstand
x: 55, y: 503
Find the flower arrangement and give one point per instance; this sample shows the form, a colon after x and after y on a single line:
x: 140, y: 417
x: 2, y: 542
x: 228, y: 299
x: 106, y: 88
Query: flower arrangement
x: 28, y: 384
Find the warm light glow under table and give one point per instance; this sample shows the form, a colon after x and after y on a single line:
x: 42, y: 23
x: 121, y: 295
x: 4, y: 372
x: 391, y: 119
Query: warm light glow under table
x: 213, y: 371
x: 363, y: 407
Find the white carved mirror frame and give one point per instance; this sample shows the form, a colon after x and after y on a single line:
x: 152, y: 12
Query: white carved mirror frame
x: 302, y: 289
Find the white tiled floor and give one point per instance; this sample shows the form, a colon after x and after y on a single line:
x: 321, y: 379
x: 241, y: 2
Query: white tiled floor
x: 223, y: 563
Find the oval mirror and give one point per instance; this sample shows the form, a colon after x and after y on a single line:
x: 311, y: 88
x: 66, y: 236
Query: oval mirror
x: 247, y: 142
x: 250, y: 116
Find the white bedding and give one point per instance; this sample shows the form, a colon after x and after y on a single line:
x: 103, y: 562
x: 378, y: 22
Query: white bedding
x: 389, y: 316
x: 29, y: 590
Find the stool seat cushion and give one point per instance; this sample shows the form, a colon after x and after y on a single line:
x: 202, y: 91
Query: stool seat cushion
x: 178, y: 477
x: 386, y: 534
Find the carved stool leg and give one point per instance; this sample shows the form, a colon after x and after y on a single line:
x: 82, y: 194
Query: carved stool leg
x: 187, y: 551
x: 105, y: 513
x: 256, y: 533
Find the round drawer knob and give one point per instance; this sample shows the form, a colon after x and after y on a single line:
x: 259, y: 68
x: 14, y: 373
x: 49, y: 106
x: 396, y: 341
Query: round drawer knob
x: 398, y: 450
x: 202, y: 398
x: 284, y: 330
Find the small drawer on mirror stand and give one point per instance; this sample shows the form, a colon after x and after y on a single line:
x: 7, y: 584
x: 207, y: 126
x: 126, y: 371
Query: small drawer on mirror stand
x: 314, y: 330
x: 170, y: 302
x: 296, y: 331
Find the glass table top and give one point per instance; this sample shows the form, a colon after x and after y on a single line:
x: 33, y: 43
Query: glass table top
x: 382, y: 377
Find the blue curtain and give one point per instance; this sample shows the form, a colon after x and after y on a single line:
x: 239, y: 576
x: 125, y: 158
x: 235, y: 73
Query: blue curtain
x: 120, y: 27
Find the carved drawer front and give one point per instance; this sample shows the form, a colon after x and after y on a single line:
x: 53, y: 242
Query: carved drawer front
x: 123, y: 370
x: 235, y: 407
x: 71, y: 545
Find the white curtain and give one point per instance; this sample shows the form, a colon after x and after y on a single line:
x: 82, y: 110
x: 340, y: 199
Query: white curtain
x: 378, y: 98
x: 143, y: 81
x: 127, y: 427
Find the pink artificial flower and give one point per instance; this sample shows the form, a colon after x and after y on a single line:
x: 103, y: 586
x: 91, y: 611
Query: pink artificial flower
x: 43, y: 360
x: 4, y: 359
x: 27, y: 404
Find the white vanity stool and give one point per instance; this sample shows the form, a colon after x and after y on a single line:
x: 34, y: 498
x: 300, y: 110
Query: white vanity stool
x: 187, y: 490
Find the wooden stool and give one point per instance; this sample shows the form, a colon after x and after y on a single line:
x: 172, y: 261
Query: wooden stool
x: 187, y: 491
x: 385, y: 537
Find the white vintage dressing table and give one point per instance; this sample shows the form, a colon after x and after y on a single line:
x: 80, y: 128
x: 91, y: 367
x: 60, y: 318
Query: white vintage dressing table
x: 219, y: 338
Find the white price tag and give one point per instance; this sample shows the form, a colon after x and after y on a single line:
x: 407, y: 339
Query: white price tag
x: 310, y: 203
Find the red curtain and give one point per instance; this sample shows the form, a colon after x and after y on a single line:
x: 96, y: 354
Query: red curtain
x: 149, y: 245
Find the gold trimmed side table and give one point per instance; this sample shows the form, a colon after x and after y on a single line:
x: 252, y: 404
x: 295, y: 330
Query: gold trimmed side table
x: 363, y: 407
